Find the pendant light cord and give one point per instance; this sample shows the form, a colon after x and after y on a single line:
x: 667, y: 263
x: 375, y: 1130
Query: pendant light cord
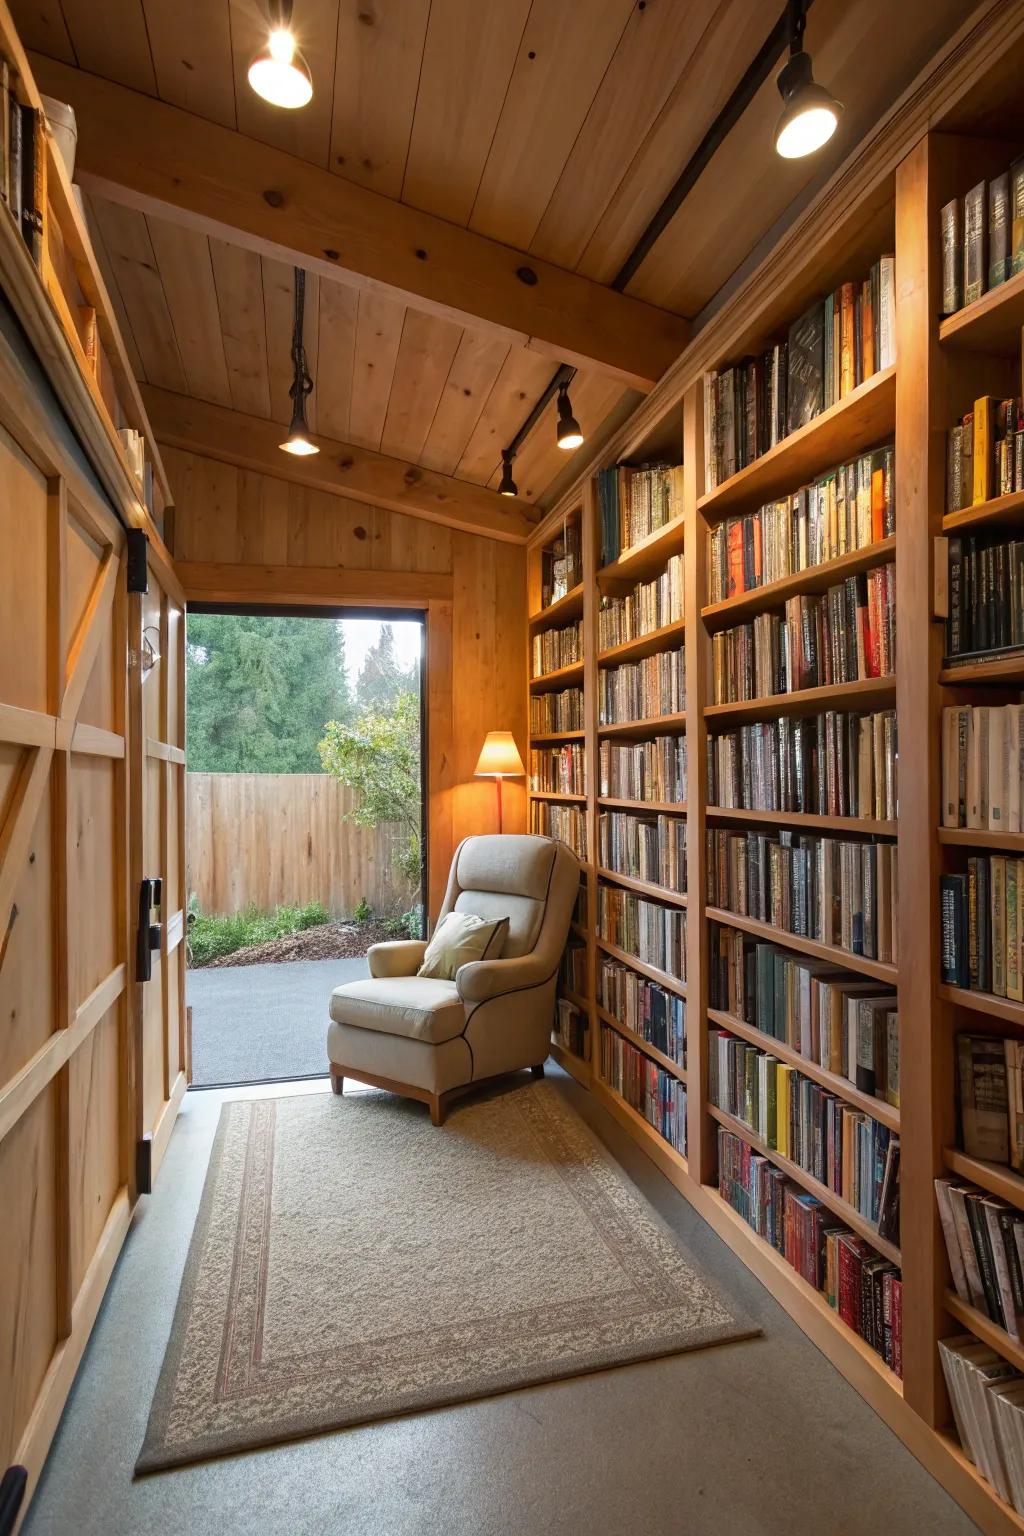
x: 302, y: 383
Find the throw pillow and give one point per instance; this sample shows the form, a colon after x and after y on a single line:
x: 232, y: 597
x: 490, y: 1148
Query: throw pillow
x: 459, y: 938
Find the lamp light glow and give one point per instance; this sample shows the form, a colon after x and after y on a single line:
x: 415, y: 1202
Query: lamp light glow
x: 278, y: 72
x: 810, y: 115
x: 499, y: 760
x: 507, y: 486
x: 568, y: 433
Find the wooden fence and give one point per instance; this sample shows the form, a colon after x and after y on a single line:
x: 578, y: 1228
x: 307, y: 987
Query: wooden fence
x: 266, y: 839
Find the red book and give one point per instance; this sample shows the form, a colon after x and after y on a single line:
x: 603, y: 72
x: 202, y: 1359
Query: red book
x: 897, y: 1326
x: 852, y: 1252
x: 734, y: 558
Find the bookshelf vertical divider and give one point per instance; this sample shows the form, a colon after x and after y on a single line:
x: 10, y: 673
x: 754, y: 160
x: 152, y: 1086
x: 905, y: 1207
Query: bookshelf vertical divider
x: 590, y: 714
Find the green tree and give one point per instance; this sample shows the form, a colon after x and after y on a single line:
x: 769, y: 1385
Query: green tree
x: 381, y: 678
x: 260, y: 691
x: 378, y: 754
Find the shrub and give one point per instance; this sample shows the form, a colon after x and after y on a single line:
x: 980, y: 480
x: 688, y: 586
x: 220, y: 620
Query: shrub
x: 211, y: 937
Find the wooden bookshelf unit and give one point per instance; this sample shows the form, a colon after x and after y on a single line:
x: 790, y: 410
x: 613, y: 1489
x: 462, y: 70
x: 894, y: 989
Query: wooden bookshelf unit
x: 897, y: 208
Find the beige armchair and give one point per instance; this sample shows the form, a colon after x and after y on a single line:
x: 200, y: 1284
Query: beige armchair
x: 433, y: 1039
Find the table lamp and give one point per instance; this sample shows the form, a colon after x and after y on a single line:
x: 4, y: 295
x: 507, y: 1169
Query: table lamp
x: 499, y: 759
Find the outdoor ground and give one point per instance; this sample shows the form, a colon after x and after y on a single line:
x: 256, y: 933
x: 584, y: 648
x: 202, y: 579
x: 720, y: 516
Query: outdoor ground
x: 326, y: 941
x: 251, y: 1022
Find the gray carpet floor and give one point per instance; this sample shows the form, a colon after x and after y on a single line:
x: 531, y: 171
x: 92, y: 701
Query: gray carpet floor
x: 254, y: 1022
x: 756, y: 1439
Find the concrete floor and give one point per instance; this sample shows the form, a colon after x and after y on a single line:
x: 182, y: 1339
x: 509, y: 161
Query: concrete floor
x: 254, y: 1022
x: 747, y: 1439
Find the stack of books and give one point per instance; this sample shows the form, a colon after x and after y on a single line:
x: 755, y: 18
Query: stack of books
x: 986, y: 595
x: 654, y: 1093
x: 849, y: 508
x: 644, y: 689
x: 561, y: 566
x: 23, y: 164
x: 650, y: 606
x: 572, y: 968
x: 558, y: 770
x: 982, y: 767
x: 990, y: 1105
x: 647, y: 930
x: 633, y: 503
x: 845, y: 635
x: 835, y: 891
x: 565, y: 822
x: 554, y: 648
x: 987, y: 1395
x: 830, y: 764
x: 551, y: 712
x: 837, y: 344
x: 985, y: 1243
x: 981, y: 926
x: 644, y: 770
x: 982, y: 238
x: 657, y: 1016
x: 985, y: 453
x: 571, y: 1028
x: 651, y: 848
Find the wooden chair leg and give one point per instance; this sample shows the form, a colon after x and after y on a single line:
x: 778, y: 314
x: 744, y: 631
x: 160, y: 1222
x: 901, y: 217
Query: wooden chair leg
x: 337, y: 1081
x: 538, y: 1070
x: 437, y: 1109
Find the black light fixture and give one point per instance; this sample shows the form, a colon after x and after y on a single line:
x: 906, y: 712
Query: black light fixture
x: 568, y: 432
x: 810, y: 114
x: 298, y: 440
x: 278, y: 71
x: 507, y: 486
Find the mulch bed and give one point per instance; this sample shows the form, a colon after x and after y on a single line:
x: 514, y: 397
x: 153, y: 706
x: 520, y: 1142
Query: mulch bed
x: 327, y: 941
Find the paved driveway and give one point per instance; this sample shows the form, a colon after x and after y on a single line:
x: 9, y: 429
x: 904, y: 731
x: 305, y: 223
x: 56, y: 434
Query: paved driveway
x: 263, y: 1021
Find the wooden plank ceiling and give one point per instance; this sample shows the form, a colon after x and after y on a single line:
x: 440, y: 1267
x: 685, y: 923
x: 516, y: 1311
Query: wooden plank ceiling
x: 554, y: 127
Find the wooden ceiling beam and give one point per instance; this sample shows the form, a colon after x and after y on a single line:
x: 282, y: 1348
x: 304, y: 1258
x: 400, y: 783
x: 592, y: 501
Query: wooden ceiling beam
x: 251, y: 442
x: 135, y: 150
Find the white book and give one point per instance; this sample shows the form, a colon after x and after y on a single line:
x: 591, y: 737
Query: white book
x: 974, y: 770
x: 886, y: 311
x: 1008, y: 1405
x: 1013, y: 745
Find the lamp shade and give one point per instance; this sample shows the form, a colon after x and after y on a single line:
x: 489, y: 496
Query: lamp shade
x: 499, y: 757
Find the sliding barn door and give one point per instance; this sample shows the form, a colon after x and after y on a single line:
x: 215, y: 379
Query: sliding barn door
x: 157, y: 629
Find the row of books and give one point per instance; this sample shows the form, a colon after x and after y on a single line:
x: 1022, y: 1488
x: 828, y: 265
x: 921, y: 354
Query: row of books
x: 633, y: 503
x: 572, y: 968
x: 850, y: 507
x: 985, y: 453
x: 653, y: 1092
x: 561, y: 711
x: 990, y: 1098
x: 832, y: 764
x: 567, y: 823
x: 844, y: 635
x: 982, y: 766
x: 651, y: 848
x: 571, y: 1028
x: 642, y: 690
x: 982, y: 926
x: 554, y: 648
x: 559, y: 770
x: 650, y: 606
x: 644, y: 770
x: 987, y: 1395
x: 645, y: 929
x: 846, y: 1150
x: 986, y: 595
x: 829, y: 889
x: 22, y: 163
x: 865, y: 1289
x: 985, y: 1242
x: 838, y: 343
x: 843, y: 1023
x: 561, y: 565
x: 982, y: 237
x: 656, y: 1015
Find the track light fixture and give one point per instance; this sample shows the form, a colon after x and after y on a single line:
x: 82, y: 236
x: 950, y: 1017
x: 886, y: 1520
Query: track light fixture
x: 507, y: 486
x: 568, y: 432
x: 810, y: 115
x: 298, y: 439
x: 278, y: 72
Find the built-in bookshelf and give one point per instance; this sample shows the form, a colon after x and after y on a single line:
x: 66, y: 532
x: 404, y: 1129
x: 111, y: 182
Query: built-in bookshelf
x: 802, y: 774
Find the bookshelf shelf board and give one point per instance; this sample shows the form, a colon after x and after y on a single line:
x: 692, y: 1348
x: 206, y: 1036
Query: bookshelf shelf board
x: 840, y: 1086
x: 670, y: 983
x: 972, y: 837
x: 985, y: 1329
x: 804, y: 819
x: 573, y: 673
x: 1009, y: 508
x: 863, y: 418
x: 994, y: 1177
x: 977, y: 1496
x: 872, y: 692
x: 991, y: 324
x: 643, y: 645
x: 571, y: 1063
x: 568, y: 607
x: 1001, y: 669
x: 555, y: 794
x: 656, y: 725
x: 573, y: 997
x: 840, y: 1207
x: 846, y: 1349
x: 643, y: 887
x: 557, y: 736
x: 815, y: 578
x: 671, y: 1162
x: 644, y: 558
x: 985, y: 1002
x: 880, y: 970
x: 652, y: 807
x: 641, y: 1044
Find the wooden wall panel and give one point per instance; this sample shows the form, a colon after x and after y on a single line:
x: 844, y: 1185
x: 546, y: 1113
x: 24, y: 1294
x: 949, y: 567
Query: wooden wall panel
x: 27, y: 999
x: 23, y: 572
x: 474, y: 640
x: 92, y: 880
x: 94, y: 1161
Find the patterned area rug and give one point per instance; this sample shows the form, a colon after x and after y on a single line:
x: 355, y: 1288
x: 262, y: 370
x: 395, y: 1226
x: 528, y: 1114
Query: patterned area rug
x: 351, y: 1262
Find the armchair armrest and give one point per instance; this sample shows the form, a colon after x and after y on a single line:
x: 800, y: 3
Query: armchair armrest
x: 482, y: 979
x: 396, y: 957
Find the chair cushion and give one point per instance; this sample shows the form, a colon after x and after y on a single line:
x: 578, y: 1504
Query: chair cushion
x: 461, y: 937
x: 516, y: 864
x: 419, y: 1007
x: 522, y: 914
